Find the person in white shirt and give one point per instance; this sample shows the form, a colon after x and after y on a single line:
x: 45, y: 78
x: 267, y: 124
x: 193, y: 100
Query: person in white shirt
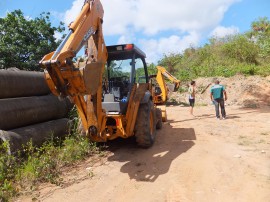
x: 191, y: 97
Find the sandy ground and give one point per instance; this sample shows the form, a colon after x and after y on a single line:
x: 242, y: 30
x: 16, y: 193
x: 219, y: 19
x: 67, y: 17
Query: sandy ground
x: 201, y: 159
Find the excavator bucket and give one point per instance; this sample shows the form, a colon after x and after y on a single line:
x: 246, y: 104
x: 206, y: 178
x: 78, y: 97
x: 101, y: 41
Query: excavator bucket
x: 92, y: 74
x: 171, y: 87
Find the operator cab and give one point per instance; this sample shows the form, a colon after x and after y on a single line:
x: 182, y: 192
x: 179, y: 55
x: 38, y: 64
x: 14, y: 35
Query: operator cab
x: 152, y: 80
x: 125, y: 64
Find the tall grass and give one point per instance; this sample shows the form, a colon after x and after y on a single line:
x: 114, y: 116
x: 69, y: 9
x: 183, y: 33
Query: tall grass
x: 25, y: 170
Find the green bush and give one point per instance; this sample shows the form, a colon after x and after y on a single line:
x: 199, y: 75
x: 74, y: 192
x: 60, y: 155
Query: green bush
x: 8, y: 167
x: 43, y: 164
x: 246, y: 53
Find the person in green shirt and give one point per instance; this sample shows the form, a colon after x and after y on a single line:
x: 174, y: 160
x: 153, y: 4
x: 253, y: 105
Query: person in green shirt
x: 218, y: 95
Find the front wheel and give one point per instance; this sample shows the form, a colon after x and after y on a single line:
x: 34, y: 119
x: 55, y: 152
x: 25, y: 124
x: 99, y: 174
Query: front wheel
x: 145, y: 128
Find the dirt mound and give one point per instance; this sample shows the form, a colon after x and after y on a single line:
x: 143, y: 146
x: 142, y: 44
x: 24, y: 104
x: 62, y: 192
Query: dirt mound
x: 251, y: 92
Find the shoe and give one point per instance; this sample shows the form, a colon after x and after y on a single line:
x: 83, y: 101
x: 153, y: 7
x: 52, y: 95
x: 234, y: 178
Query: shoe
x: 218, y: 118
x: 223, y: 118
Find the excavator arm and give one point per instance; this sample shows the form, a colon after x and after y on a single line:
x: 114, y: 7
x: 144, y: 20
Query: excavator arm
x: 162, y: 72
x: 82, y: 85
x: 169, y: 76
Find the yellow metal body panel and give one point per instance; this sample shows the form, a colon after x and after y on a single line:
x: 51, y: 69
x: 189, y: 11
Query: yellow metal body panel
x: 169, y: 76
x: 160, y: 79
x: 161, y: 99
x: 83, y: 83
x: 64, y: 79
x: 163, y: 88
x: 136, y: 95
x: 163, y: 111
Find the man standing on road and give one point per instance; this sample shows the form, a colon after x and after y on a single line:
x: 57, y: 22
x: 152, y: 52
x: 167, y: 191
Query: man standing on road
x: 217, y: 95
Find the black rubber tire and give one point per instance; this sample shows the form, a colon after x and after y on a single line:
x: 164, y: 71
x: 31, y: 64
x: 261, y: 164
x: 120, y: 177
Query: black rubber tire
x: 159, y: 118
x: 145, y: 134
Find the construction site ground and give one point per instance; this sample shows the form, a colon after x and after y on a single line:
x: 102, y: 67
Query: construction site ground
x: 193, y: 159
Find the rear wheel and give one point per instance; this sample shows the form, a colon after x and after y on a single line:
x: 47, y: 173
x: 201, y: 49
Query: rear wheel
x: 145, y: 128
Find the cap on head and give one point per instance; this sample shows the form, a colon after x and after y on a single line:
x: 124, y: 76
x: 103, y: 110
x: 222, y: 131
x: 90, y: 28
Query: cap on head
x: 192, y: 82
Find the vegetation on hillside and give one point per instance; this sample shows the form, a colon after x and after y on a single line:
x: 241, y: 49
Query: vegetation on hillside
x: 247, y: 53
x: 24, y: 41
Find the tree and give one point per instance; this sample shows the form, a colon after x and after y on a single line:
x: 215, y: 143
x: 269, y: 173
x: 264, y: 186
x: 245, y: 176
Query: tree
x: 151, y: 69
x: 262, y: 25
x: 247, y: 53
x: 241, y: 49
x: 260, y: 32
x: 23, y: 42
x: 170, y: 62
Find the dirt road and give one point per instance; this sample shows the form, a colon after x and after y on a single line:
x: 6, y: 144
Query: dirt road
x: 201, y: 159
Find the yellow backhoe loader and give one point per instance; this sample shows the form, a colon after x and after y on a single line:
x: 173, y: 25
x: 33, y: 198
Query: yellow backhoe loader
x: 161, y: 89
x: 110, y: 101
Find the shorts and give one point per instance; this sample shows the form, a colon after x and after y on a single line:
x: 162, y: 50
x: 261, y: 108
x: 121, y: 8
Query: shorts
x: 191, y: 102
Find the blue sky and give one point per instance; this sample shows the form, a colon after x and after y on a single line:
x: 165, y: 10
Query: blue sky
x: 158, y: 27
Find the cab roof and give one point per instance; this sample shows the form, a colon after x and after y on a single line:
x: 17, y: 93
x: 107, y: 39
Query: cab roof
x: 124, y: 51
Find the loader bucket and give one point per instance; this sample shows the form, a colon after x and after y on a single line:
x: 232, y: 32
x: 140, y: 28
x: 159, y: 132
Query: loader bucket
x: 92, y: 75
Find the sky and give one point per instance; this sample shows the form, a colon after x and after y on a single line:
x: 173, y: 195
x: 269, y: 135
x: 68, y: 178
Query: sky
x: 158, y: 27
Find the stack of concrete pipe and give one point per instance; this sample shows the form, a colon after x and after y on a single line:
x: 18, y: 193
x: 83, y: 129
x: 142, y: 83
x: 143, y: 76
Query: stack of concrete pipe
x: 28, y: 112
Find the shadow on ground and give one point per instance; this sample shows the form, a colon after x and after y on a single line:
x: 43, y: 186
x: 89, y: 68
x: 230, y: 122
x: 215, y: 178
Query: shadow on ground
x: 149, y: 164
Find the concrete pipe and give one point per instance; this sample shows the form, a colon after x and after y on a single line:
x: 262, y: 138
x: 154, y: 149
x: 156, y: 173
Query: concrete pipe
x: 19, y: 112
x: 22, y: 84
x: 37, y: 133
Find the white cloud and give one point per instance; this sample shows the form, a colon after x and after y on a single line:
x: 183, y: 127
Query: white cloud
x: 153, y: 16
x: 136, y: 20
x: 126, y: 39
x: 71, y: 14
x: 27, y: 17
x: 57, y: 35
x: 221, y: 31
x: 155, y: 48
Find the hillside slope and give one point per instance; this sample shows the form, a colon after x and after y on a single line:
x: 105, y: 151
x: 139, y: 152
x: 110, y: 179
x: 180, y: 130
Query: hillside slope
x: 251, y: 92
